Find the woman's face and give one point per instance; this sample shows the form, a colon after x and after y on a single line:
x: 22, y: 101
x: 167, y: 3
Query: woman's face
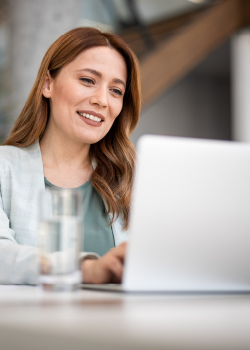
x: 87, y: 95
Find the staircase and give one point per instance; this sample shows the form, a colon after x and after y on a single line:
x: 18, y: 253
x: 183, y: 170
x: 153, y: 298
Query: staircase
x: 179, y: 44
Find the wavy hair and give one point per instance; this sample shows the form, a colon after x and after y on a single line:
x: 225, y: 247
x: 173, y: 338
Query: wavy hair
x: 114, y: 155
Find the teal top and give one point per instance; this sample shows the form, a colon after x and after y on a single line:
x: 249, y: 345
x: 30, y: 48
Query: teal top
x: 98, y: 235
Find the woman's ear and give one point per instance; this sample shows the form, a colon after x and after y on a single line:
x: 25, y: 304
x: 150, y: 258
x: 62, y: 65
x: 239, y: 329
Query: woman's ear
x: 47, y: 86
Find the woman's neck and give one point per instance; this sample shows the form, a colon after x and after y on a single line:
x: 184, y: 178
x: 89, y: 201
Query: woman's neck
x: 66, y: 162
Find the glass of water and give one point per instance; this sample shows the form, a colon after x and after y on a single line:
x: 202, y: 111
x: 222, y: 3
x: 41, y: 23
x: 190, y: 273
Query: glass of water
x: 60, y: 234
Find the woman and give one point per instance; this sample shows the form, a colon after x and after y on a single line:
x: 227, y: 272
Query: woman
x: 73, y: 132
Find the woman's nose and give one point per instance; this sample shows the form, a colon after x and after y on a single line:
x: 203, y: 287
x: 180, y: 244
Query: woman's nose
x: 99, y: 97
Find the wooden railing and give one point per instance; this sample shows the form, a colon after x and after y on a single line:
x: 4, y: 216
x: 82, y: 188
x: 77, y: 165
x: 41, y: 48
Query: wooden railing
x: 196, y: 35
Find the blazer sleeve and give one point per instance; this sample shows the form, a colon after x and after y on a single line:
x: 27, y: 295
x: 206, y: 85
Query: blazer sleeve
x: 18, y: 263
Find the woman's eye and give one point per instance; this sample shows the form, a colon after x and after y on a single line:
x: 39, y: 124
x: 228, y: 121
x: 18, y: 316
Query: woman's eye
x: 87, y: 80
x: 117, y: 91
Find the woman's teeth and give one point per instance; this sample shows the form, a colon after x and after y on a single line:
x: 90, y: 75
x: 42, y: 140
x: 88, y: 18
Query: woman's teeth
x: 90, y: 116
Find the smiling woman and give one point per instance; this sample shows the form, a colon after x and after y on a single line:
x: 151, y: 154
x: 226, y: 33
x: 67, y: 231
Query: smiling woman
x: 73, y: 132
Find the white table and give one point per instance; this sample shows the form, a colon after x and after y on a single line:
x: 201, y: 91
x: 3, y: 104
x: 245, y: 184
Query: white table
x: 32, y: 320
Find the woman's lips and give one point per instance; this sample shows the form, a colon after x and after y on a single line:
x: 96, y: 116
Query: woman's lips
x: 92, y: 115
x: 89, y: 121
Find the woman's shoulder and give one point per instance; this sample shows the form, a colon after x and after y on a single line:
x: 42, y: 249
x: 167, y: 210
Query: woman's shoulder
x: 14, y: 154
x: 8, y: 150
x: 9, y: 154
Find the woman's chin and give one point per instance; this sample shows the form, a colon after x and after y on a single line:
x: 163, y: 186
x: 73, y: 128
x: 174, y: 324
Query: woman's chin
x: 88, y: 139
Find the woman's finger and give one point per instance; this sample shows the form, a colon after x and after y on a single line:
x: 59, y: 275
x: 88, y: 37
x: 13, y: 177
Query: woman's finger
x: 108, y: 268
x: 119, y: 251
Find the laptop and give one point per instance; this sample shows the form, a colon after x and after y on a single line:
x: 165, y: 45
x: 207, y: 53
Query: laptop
x: 190, y: 218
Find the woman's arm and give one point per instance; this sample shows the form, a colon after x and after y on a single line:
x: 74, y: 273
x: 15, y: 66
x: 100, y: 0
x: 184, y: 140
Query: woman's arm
x: 18, y: 263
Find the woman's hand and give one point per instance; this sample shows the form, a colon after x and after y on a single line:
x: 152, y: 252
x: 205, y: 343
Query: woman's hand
x: 107, y: 269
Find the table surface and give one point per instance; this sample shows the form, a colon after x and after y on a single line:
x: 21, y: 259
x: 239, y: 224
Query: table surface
x: 89, y: 320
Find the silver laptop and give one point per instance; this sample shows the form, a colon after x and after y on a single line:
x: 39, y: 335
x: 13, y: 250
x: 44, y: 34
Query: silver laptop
x: 190, y: 219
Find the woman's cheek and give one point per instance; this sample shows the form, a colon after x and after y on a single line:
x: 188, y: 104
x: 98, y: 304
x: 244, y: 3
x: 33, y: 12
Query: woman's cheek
x: 118, y: 109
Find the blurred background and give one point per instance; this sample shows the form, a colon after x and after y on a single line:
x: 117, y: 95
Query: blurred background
x: 194, y: 56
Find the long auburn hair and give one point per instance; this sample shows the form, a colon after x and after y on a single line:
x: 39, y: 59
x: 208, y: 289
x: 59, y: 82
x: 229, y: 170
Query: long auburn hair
x: 114, y: 155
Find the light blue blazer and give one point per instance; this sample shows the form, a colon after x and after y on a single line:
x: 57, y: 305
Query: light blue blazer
x: 21, y: 181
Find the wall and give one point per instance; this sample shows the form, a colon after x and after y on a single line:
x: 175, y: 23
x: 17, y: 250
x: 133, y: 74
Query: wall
x: 241, y: 86
x: 34, y: 26
x: 198, y: 106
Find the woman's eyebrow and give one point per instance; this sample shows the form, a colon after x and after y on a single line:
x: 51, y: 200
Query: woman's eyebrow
x: 119, y: 81
x: 98, y: 74
x: 93, y: 71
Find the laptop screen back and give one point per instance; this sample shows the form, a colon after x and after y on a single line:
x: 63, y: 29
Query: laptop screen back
x: 190, y: 216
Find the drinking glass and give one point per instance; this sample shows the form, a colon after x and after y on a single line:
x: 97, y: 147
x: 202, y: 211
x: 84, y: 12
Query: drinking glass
x: 60, y: 235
